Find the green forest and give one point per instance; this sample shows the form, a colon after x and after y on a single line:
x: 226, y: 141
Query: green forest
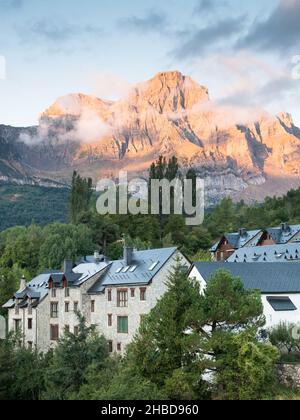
x: 223, y: 340
x: 23, y: 204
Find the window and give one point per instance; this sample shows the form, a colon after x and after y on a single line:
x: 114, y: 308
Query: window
x: 17, y: 310
x: 29, y: 345
x: 123, y: 324
x: 122, y: 298
x: 119, y: 270
x: 54, y: 332
x: 29, y: 309
x: 132, y: 291
x: 143, y: 293
x: 67, y: 292
x: 119, y: 347
x: 54, y: 310
x: 17, y: 323
x: 125, y: 269
x: 67, y: 328
x: 92, y: 306
x: 109, y: 297
x: 53, y: 293
x: 109, y: 320
x: 132, y: 270
x: 29, y: 324
x: 76, y: 330
x: 281, y: 304
x: 75, y: 306
x: 67, y: 306
x: 110, y: 346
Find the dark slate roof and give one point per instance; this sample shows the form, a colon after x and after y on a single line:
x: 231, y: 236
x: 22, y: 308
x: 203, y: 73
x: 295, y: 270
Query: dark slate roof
x: 268, y: 277
x: 38, y: 288
x: 236, y: 240
x: 282, y: 236
x: 270, y: 253
x: 141, y: 275
x: 281, y: 303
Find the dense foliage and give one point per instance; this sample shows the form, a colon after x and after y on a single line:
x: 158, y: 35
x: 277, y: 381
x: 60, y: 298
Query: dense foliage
x: 191, y: 346
x: 23, y: 204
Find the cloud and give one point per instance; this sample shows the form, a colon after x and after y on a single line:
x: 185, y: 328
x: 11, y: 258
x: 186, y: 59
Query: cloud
x: 249, y: 82
x: 198, y: 41
x: 151, y: 22
x: 89, y: 127
x: 110, y: 86
x: 55, y: 32
x: 10, y: 4
x: 279, y: 32
x: 209, y: 6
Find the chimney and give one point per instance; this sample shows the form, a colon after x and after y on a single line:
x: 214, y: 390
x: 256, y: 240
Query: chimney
x: 97, y: 257
x: 68, y: 266
x: 243, y: 232
x: 128, y: 255
x: 285, y: 227
x: 22, y: 284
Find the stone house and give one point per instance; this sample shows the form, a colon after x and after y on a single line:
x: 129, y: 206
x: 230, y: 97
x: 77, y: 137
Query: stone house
x: 113, y: 296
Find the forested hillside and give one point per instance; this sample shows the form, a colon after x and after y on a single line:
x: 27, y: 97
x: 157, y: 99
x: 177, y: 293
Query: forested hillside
x: 20, y: 205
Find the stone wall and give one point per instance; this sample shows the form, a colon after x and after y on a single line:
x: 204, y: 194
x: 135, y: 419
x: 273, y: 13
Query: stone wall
x: 289, y: 374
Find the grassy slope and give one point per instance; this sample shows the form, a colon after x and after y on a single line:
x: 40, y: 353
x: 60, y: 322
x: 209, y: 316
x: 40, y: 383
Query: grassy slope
x: 20, y: 205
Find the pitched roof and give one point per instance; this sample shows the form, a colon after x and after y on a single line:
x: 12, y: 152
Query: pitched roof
x: 269, y: 253
x: 38, y: 288
x: 268, y: 277
x: 239, y: 240
x: 143, y: 268
x: 284, y: 234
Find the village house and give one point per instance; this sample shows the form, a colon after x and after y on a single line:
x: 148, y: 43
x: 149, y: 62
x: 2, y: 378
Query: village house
x: 270, y: 253
x: 45, y: 307
x: 112, y: 296
x: 128, y: 290
x: 279, y: 284
x: 243, y: 239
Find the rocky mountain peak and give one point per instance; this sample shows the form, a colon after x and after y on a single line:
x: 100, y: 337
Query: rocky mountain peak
x: 170, y: 114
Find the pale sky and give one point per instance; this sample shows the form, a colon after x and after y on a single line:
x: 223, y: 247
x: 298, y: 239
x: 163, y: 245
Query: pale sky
x: 242, y: 51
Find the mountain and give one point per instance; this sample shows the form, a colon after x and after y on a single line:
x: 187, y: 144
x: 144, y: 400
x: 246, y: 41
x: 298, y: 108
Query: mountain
x: 245, y: 156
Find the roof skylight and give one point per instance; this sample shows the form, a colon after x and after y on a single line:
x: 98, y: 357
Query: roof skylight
x: 151, y: 268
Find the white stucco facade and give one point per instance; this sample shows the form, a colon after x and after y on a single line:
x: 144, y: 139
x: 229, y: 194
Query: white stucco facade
x: 273, y: 318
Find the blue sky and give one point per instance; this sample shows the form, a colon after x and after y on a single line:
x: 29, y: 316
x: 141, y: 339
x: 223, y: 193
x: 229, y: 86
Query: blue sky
x: 241, y: 50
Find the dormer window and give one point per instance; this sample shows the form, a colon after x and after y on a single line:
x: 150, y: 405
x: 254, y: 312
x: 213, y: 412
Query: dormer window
x: 67, y: 292
x: 53, y: 292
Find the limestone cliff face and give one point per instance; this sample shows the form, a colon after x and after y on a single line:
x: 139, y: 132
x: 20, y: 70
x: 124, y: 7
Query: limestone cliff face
x: 168, y: 115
